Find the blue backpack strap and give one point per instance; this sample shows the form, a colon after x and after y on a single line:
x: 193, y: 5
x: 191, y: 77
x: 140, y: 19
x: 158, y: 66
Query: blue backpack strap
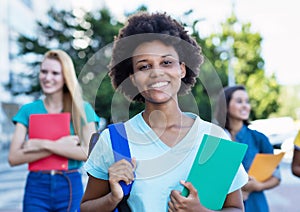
x: 120, y: 148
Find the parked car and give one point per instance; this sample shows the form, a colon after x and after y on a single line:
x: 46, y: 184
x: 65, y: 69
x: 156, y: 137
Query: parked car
x: 280, y: 131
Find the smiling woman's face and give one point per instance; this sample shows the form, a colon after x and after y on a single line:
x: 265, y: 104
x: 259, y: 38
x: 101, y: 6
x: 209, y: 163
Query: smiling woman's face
x: 51, y: 76
x: 239, y: 105
x: 157, y: 71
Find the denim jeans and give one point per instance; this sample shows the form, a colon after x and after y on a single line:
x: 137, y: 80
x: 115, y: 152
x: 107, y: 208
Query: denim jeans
x: 53, y: 192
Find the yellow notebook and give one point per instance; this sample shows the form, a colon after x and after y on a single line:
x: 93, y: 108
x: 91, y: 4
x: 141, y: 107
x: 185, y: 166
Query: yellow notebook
x: 264, y: 165
x: 297, y: 139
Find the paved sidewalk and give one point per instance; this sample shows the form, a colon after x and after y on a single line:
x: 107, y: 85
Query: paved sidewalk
x: 285, y: 197
x: 12, y: 184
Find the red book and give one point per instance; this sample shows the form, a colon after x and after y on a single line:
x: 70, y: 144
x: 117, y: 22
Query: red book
x: 51, y: 127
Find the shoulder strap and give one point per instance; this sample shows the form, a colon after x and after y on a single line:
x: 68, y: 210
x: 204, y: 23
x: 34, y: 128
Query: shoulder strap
x: 120, y: 148
x: 93, y: 140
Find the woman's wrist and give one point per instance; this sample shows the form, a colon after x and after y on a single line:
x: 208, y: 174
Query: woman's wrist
x: 113, y: 200
x: 47, y: 145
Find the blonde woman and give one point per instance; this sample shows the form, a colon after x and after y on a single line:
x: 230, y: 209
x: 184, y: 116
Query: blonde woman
x: 54, y: 190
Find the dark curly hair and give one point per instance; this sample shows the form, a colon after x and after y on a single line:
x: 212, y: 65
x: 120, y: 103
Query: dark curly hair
x: 144, y: 27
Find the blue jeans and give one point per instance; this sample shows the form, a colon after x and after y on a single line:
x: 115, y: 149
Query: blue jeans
x: 53, y: 192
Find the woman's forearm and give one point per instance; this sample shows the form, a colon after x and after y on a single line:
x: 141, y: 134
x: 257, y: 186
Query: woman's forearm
x: 19, y: 157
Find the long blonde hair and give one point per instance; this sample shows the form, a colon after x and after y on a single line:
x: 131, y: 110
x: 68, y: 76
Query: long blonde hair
x: 72, y: 93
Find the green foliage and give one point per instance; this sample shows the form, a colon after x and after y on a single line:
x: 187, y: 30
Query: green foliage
x: 289, y: 102
x: 81, y: 36
x: 87, y: 37
x: 236, y: 41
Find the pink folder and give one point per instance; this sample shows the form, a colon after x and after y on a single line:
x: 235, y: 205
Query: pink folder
x: 52, y: 127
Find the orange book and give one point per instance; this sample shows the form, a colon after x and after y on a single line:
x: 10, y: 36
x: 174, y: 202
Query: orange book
x: 264, y: 165
x: 51, y: 127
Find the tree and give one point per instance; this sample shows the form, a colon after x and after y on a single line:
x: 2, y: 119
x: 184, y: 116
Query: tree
x: 81, y: 34
x: 88, y: 37
x: 236, y: 43
x: 289, y: 102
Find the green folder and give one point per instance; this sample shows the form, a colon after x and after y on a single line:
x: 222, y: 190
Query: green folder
x: 214, y: 168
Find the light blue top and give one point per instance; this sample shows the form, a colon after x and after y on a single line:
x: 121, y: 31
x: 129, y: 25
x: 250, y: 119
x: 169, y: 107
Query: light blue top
x: 159, y: 167
x: 38, y: 107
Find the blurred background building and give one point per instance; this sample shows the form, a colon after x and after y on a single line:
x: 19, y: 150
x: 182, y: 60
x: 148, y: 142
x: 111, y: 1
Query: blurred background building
x: 16, y: 17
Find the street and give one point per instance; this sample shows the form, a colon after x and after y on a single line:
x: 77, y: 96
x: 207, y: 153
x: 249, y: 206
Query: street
x: 12, y: 181
x: 285, y: 197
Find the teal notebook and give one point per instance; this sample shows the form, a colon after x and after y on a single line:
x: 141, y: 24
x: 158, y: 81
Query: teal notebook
x: 214, y: 168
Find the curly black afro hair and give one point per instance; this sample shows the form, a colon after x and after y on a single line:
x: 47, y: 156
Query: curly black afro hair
x: 144, y: 27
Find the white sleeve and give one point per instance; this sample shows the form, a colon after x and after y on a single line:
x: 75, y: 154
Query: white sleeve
x: 240, y: 179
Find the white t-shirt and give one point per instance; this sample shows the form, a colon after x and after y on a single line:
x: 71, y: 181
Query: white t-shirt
x: 159, y: 167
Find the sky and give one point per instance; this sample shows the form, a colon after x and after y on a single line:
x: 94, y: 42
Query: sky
x: 275, y: 20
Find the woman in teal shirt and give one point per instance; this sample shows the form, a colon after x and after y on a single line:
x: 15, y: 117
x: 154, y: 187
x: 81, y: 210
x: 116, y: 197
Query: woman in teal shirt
x: 54, y: 190
x: 233, y: 110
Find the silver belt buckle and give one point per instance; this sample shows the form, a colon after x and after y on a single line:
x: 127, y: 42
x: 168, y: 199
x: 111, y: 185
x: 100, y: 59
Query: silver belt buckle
x: 52, y: 172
